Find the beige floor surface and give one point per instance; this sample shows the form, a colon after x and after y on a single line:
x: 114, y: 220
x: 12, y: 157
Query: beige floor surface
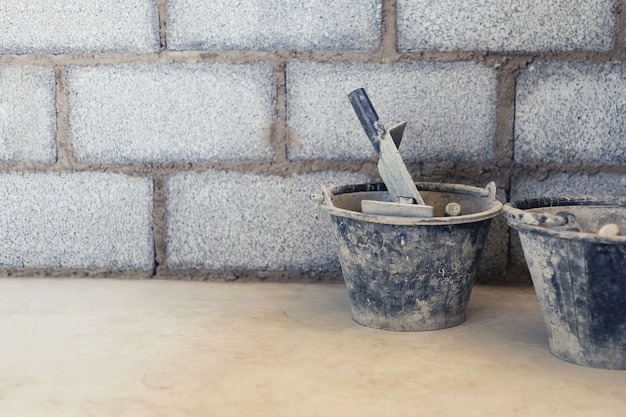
x: 89, y: 347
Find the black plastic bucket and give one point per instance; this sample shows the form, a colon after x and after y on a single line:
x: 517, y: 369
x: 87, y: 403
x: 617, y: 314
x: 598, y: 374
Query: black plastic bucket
x: 579, y: 276
x: 410, y: 273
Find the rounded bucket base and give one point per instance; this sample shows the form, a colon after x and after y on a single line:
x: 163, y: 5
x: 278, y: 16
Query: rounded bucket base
x: 410, y: 273
x: 407, y: 324
x: 591, y: 357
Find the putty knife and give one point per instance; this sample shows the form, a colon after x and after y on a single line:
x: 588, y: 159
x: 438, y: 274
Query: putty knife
x: 406, y: 199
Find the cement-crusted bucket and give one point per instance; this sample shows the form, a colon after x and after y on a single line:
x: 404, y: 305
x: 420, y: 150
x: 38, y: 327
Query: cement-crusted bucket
x: 579, y: 275
x: 410, y: 273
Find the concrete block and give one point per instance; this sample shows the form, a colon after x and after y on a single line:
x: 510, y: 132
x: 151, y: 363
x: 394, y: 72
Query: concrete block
x: 72, y: 26
x: 506, y: 25
x: 78, y: 220
x: 171, y: 112
x: 450, y: 109
x: 526, y: 186
x: 274, y: 25
x: 27, y: 114
x: 571, y: 112
x: 231, y: 220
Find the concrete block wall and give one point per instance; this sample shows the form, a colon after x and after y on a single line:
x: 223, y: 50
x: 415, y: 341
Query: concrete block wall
x: 181, y: 138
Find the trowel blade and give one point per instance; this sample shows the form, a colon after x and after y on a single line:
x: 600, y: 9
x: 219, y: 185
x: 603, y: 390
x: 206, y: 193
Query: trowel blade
x: 385, y: 208
x: 394, y: 173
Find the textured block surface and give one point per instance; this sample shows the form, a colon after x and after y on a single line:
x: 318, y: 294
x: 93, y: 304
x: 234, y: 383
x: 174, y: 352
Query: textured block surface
x: 27, y: 114
x: 274, y: 24
x: 67, y: 26
x: 506, y: 25
x: 220, y: 220
x: 450, y: 109
x: 571, y: 112
x: 558, y: 184
x: 169, y: 113
x: 80, y: 220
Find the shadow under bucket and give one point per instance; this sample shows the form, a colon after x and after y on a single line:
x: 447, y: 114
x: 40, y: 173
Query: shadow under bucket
x: 410, y: 273
x: 578, y: 274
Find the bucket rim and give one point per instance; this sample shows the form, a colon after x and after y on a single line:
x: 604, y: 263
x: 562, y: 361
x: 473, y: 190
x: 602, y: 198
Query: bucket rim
x: 488, y: 191
x: 555, y: 224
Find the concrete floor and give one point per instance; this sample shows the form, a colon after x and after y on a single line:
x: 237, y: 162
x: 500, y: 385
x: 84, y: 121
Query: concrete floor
x: 104, y: 347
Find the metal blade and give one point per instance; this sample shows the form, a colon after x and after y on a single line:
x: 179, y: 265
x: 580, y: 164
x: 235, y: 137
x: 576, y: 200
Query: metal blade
x: 391, y: 167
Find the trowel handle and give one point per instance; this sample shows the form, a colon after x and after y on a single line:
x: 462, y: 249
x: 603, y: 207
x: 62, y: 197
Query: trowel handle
x: 367, y: 115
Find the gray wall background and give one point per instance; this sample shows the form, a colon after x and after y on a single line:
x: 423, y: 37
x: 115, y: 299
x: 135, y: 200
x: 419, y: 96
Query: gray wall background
x: 181, y: 138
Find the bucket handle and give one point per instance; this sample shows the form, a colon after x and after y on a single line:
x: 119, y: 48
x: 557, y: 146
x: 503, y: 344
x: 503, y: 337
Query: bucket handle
x: 323, y: 198
x: 560, y: 219
x: 491, y: 190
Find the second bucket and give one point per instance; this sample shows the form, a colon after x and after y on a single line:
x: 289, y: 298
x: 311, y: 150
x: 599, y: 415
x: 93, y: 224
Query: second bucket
x: 578, y: 272
x: 410, y: 273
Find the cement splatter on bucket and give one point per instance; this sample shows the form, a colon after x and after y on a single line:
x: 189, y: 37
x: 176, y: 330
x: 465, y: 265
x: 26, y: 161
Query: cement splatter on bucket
x: 410, y: 273
x: 577, y: 261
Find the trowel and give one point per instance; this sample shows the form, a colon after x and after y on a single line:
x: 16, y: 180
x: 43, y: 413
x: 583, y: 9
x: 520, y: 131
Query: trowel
x: 404, y: 198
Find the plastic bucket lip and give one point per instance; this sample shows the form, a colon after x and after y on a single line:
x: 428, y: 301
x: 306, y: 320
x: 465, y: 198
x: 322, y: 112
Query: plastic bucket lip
x: 328, y: 206
x: 516, y: 216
